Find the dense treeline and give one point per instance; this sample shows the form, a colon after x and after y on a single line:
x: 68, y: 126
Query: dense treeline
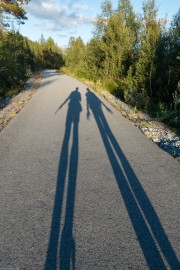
x: 19, y: 56
x: 136, y: 57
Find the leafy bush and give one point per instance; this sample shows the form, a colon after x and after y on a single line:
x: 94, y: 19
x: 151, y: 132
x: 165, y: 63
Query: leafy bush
x: 115, y: 88
x: 136, y: 99
x: 19, y: 57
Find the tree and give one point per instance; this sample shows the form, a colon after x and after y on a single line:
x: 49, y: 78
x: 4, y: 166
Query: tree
x: 126, y: 8
x: 94, y: 58
x: 15, y: 60
x: 102, y: 20
x: 150, y: 34
x: 168, y: 61
x: 75, y: 54
x: 12, y: 8
x: 118, y: 46
x: 106, y: 9
x: 135, y: 57
x: 51, y: 54
x: 19, y: 56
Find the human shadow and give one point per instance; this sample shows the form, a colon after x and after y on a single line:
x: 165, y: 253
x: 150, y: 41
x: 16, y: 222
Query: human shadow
x: 61, y: 248
x: 147, y: 226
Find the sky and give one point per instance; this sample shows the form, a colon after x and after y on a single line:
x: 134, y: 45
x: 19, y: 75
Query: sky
x: 63, y: 19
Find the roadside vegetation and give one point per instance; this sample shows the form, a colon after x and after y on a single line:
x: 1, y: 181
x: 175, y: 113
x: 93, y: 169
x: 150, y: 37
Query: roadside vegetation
x: 134, y: 56
x: 19, y: 56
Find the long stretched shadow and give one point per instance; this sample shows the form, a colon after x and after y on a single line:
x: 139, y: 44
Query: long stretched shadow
x: 61, y: 248
x: 149, y: 231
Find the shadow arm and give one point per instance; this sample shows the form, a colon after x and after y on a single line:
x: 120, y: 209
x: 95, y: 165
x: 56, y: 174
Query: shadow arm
x: 62, y: 104
x: 109, y: 110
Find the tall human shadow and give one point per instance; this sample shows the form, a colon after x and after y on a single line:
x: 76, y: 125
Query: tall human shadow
x: 149, y: 231
x: 61, y: 248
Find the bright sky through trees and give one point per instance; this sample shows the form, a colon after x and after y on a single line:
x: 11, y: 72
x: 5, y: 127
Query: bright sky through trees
x: 63, y: 19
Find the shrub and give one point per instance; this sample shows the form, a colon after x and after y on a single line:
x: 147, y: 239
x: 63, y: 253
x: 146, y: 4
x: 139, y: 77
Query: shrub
x: 115, y: 88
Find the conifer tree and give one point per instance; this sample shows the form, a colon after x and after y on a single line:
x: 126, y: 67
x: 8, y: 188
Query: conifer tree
x: 14, y: 8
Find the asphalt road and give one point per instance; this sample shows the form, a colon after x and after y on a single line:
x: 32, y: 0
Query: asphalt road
x: 82, y: 188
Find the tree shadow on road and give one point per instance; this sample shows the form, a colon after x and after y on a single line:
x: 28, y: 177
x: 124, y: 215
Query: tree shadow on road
x: 50, y: 73
x: 61, y: 248
x: 149, y: 231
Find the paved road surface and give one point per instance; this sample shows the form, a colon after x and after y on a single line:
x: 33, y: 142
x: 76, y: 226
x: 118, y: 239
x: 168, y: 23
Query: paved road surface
x: 82, y: 188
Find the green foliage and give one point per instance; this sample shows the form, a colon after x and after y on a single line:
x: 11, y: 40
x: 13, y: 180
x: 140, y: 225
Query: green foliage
x: 19, y: 57
x: 75, y: 57
x: 51, y: 54
x: 115, y: 88
x: 134, y: 57
x: 102, y: 20
x: 12, y: 8
x: 75, y: 53
x: 14, y: 60
x: 94, y: 56
x: 106, y: 9
x: 150, y: 34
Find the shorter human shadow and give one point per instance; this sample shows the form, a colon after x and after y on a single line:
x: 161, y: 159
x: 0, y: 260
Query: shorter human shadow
x: 61, y: 251
x: 150, y: 234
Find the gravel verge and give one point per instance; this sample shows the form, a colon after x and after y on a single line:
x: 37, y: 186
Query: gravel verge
x: 10, y: 107
x: 156, y: 131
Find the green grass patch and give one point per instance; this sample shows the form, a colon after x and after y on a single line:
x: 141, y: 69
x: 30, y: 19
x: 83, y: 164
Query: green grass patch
x: 115, y: 88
